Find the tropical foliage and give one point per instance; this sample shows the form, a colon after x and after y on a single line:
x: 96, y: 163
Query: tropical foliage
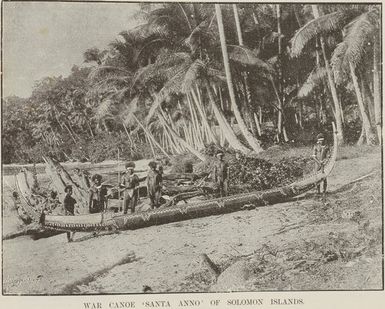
x: 191, y: 75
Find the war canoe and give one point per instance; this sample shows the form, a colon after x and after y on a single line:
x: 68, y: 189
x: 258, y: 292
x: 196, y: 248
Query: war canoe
x: 29, y: 206
x: 106, y: 221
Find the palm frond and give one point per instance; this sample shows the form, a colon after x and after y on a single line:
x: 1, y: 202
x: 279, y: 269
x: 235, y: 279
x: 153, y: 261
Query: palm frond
x: 104, y: 109
x: 127, y: 111
x: 98, y: 71
x: 197, y: 33
x: 246, y: 56
x: 121, y: 93
x: 216, y: 75
x: 313, y: 80
x: 172, y: 86
x: 273, y: 60
x: 271, y: 38
x: 194, y: 72
x: 320, y: 26
x: 359, y: 34
x: 339, y: 63
x: 161, y: 68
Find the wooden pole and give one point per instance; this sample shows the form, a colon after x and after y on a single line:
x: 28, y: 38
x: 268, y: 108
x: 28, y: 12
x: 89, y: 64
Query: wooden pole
x: 120, y: 202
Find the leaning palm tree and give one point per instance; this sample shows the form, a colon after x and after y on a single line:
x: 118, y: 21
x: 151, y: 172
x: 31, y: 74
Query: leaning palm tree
x: 349, y: 58
x: 185, y: 76
x: 252, y: 141
x: 318, y: 28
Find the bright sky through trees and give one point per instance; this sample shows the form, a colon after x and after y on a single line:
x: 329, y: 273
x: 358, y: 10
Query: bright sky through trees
x: 47, y: 39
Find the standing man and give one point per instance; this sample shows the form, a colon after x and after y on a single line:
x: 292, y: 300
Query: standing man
x: 154, y: 185
x: 221, y: 174
x: 69, y: 208
x: 98, y: 195
x: 320, y: 155
x: 130, y: 183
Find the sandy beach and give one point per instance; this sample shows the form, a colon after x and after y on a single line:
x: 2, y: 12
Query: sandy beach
x: 168, y: 258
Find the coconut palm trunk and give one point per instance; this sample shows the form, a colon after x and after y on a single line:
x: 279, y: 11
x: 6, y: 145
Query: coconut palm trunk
x: 332, y: 85
x: 238, y: 25
x: 246, y: 84
x: 370, y: 139
x: 280, y: 125
x: 253, y: 142
x: 377, y: 92
x: 70, y: 133
x: 179, y: 139
x: 223, y: 124
x: 196, y: 126
x: 151, y: 138
x: 257, y: 124
x: 198, y: 102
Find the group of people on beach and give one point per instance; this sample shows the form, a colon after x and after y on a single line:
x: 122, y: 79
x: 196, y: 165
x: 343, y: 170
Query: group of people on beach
x: 129, y: 183
x: 129, y: 186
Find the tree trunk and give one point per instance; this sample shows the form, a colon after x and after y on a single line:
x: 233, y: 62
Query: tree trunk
x: 257, y: 124
x: 223, y: 125
x: 248, y: 100
x: 151, y: 138
x: 254, y: 143
x: 197, y: 126
x: 171, y: 142
x: 281, y: 128
x: 367, y: 97
x: 238, y: 25
x: 132, y: 144
x: 280, y: 124
x: 178, y: 147
x: 300, y: 115
x: 361, y: 139
x: 179, y: 139
x: 151, y: 146
x: 332, y: 85
x: 89, y: 127
x: 248, y: 104
x: 370, y: 139
x: 377, y: 92
x: 198, y: 103
x: 69, y: 131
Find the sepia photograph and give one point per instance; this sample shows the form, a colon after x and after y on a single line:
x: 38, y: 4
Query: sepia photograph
x: 191, y: 147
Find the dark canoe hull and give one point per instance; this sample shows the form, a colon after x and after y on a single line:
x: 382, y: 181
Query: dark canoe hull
x: 177, y: 213
x: 208, y: 208
x: 183, y: 212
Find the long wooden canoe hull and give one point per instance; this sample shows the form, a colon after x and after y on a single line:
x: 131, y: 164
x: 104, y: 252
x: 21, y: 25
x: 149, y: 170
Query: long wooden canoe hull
x: 189, y: 211
x: 109, y: 220
x: 176, y: 213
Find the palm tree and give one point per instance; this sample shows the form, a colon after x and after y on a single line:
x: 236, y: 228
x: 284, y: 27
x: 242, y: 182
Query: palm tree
x: 253, y: 142
x: 315, y: 28
x: 349, y: 57
x: 377, y: 87
x: 186, y: 66
x: 255, y: 128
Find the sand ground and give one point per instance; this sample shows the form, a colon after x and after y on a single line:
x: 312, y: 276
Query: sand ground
x: 167, y: 258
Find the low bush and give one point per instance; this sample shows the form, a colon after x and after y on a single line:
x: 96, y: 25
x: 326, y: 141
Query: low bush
x: 254, y: 174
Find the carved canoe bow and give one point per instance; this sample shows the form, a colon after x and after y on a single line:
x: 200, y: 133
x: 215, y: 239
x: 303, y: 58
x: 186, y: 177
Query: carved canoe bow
x: 188, y: 211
